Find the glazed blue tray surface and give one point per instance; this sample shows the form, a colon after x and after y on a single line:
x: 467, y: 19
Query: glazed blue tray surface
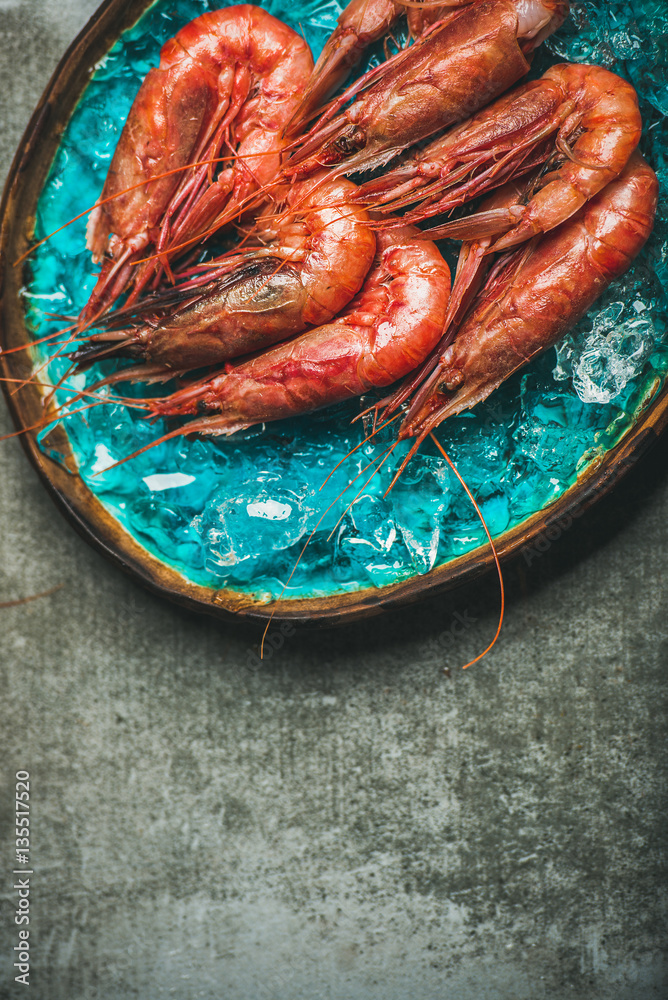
x: 236, y: 511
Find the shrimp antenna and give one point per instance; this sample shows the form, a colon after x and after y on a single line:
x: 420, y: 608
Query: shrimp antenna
x: 79, y: 394
x: 45, y: 364
x: 32, y: 597
x: 491, y: 542
x: 384, y: 455
x: 222, y: 220
x: 46, y: 420
x: 127, y: 190
x: 4, y: 351
x: 357, y: 446
x: 401, y: 468
x: 41, y: 340
x: 310, y: 537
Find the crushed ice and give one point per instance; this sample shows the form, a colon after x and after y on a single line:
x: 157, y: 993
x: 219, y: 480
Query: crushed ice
x: 238, y: 511
x: 603, y: 360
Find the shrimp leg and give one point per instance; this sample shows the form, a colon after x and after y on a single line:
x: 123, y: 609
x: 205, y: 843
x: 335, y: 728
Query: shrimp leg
x: 228, y: 82
x: 536, y: 295
x: 386, y: 331
x: 314, y: 258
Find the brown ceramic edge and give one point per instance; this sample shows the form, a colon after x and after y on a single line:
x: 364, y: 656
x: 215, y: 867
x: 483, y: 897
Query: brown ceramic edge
x: 98, y: 527
x: 68, y: 62
x: 117, y: 545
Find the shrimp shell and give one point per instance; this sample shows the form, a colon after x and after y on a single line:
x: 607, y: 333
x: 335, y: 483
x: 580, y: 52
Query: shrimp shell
x: 454, y: 68
x: 542, y: 290
x: 228, y: 82
x: 387, y: 330
x: 314, y: 258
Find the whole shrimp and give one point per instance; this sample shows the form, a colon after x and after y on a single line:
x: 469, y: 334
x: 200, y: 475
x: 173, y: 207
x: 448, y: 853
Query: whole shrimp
x: 226, y: 85
x: 360, y: 24
x: 455, y: 67
x: 388, y: 329
x: 534, y: 295
x: 314, y: 257
x: 583, y: 115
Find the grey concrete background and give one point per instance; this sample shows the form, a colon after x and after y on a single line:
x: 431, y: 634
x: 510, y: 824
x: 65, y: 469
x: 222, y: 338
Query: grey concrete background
x: 347, y: 821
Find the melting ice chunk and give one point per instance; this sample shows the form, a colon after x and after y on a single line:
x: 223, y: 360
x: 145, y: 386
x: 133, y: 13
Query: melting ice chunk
x: 243, y: 532
x: 369, y: 537
x: 167, y: 480
x: 272, y: 510
x: 418, y: 502
x: 604, y: 360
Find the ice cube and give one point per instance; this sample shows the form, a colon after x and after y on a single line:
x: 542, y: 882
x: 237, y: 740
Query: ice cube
x: 243, y: 531
x: 369, y: 537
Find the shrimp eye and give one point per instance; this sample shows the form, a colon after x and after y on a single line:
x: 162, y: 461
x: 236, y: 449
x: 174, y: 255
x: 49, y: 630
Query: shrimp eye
x: 351, y: 143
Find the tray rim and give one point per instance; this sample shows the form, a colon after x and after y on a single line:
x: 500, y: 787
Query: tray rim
x: 88, y: 515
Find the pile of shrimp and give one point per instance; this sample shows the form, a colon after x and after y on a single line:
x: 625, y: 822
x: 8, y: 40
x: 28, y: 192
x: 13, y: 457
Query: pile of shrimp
x: 329, y: 288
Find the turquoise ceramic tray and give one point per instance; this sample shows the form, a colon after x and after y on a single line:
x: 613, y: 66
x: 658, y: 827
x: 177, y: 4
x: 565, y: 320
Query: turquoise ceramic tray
x: 219, y: 523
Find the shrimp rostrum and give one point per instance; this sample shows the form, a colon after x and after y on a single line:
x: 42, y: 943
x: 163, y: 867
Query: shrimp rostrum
x: 314, y: 254
x: 388, y: 329
x: 226, y: 86
x: 457, y: 66
x: 534, y: 295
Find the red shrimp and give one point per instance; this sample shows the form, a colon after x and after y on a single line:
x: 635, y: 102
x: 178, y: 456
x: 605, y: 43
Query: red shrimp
x: 360, y: 24
x: 585, y: 116
x: 536, y: 295
x: 314, y: 258
x: 423, y: 13
x: 386, y: 331
x: 454, y: 68
x: 227, y: 83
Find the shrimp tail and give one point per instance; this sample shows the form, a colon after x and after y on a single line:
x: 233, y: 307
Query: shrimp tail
x: 535, y: 293
x: 388, y: 329
x: 228, y: 82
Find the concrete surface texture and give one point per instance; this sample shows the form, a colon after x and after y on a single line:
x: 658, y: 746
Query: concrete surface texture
x: 347, y: 821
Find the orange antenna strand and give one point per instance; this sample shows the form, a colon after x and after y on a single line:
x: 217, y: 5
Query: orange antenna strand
x: 46, y: 420
x: 79, y: 394
x: 32, y: 597
x: 33, y: 380
x: 494, y: 552
x: 384, y: 455
x: 308, y: 540
x: 4, y: 351
x: 111, y: 197
x: 133, y: 187
x: 222, y: 220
